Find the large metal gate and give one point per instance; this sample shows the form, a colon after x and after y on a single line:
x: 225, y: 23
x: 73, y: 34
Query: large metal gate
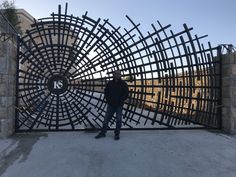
x: 65, y: 62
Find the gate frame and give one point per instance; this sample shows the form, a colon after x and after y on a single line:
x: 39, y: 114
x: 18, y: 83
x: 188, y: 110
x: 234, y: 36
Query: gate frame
x: 167, y: 114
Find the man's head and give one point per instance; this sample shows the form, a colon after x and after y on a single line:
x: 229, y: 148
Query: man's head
x: 117, y: 74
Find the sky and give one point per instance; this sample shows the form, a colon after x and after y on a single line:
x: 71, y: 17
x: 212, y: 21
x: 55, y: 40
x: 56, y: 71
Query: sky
x: 215, y: 18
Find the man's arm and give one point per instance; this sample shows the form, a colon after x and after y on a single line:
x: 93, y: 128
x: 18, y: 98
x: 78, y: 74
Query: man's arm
x: 126, y: 91
x: 107, y: 92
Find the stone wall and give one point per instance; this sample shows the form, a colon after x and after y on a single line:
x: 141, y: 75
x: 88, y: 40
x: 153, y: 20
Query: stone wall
x: 229, y: 93
x: 8, y: 67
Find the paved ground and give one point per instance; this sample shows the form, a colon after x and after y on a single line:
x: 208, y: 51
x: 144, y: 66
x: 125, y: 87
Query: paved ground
x: 181, y: 153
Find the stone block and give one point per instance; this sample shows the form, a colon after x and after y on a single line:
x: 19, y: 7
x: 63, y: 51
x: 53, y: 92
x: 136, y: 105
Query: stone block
x: 11, y: 101
x: 226, y: 81
x: 3, y: 113
x: 13, y: 50
x: 3, y: 65
x: 4, y: 78
x: 234, y: 126
x: 12, y: 89
x: 229, y: 120
x: 11, y: 79
x: 226, y: 102
x: 3, y: 101
x: 7, y: 127
x: 3, y: 89
x: 225, y: 112
x: 233, y: 112
x: 2, y: 49
x: 11, y: 112
x: 227, y: 125
x: 233, y: 102
x: 233, y: 69
x: 12, y: 66
x: 233, y: 81
x: 233, y: 90
x: 226, y: 70
x: 226, y: 92
x: 229, y: 58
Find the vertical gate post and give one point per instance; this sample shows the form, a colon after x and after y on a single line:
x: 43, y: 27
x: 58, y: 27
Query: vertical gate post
x: 8, y: 67
x: 229, y: 93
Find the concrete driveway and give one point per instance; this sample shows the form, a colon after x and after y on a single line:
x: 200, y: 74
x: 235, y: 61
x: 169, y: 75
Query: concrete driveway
x: 164, y: 153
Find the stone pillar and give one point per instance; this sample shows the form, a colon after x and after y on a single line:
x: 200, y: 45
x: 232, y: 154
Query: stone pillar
x: 229, y: 93
x: 8, y: 52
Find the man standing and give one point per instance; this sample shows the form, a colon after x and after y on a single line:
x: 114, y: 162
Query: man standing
x: 116, y: 92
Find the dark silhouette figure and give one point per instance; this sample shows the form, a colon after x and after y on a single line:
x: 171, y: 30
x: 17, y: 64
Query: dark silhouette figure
x: 116, y: 92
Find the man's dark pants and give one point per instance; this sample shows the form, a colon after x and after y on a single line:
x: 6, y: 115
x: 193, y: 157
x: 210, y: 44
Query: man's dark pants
x: 109, y: 113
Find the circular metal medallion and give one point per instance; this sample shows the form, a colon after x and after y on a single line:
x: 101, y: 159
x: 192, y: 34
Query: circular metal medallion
x: 57, y: 84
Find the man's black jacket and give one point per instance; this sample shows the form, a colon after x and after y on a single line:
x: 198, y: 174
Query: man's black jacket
x: 116, y: 92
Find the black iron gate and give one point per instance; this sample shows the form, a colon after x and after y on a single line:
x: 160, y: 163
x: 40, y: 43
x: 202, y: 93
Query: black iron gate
x: 65, y: 62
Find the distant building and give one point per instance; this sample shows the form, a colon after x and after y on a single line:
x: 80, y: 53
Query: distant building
x: 25, y: 18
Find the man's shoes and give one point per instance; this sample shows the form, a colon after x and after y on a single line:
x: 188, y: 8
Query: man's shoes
x: 117, y: 137
x: 100, y: 135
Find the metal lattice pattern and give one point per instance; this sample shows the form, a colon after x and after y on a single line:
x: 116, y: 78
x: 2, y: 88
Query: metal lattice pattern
x: 65, y: 62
